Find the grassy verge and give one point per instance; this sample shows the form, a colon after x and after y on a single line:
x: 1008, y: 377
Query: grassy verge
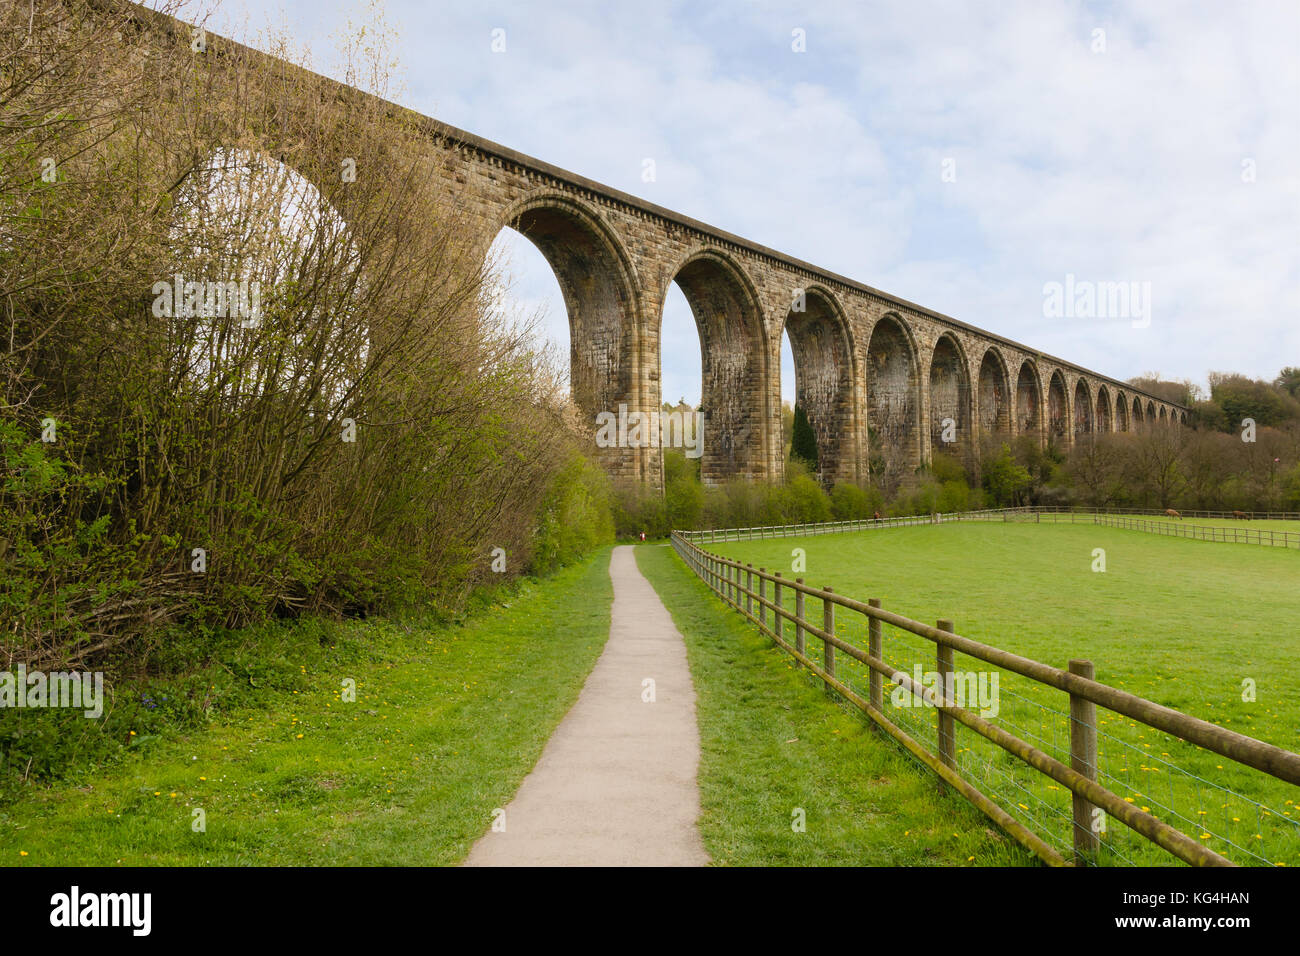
x: 447, y: 721
x: 773, y: 743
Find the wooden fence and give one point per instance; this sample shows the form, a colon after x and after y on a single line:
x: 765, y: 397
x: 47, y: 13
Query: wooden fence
x: 747, y: 590
x: 1237, y: 535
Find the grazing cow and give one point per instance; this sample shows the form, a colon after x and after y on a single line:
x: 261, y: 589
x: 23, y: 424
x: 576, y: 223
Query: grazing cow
x: 1241, y: 515
x: 1170, y: 512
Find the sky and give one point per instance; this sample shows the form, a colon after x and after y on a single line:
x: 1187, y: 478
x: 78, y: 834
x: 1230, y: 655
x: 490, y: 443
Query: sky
x: 964, y: 156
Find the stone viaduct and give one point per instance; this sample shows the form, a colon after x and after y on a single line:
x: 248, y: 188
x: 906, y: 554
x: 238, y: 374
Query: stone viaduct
x: 878, y: 376
x: 884, y: 382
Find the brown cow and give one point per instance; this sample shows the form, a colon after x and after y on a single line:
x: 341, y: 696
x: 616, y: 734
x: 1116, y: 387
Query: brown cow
x: 1241, y: 515
x: 1170, y: 512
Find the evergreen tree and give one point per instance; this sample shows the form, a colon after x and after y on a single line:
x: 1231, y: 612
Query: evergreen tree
x: 803, y: 442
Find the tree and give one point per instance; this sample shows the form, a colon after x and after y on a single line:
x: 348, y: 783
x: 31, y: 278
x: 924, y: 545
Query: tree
x: 1207, y: 466
x: 1241, y: 397
x: 1096, y: 465
x: 362, y: 428
x: 1184, y: 391
x: 1005, y: 480
x: 1289, y: 381
x: 803, y: 441
x: 1154, y: 464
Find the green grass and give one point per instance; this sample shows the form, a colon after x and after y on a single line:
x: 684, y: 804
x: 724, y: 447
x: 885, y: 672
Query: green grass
x: 448, y: 720
x: 1181, y: 622
x: 772, y: 741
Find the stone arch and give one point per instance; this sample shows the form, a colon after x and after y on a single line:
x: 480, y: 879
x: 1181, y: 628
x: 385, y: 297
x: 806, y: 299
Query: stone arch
x: 1164, y: 419
x: 599, y: 285
x: 244, y: 225
x: 1137, y: 413
x: 821, y: 341
x: 1182, y: 418
x: 994, y: 394
x: 1083, y: 416
x: 1029, y: 400
x: 950, y: 395
x: 1151, y: 413
x: 1058, y: 408
x: 892, y: 400
x: 1121, y: 412
x: 735, y: 373
x: 1105, y: 416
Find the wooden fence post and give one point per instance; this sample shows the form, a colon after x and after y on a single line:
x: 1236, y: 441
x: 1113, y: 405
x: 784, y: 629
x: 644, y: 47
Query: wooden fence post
x: 749, y: 586
x: 762, y: 598
x: 798, y: 620
x: 778, y: 622
x: 828, y: 625
x: 947, y: 726
x: 1083, y: 759
x: 877, y: 696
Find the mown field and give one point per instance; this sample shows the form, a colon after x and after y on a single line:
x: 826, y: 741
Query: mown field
x: 1185, y: 623
x: 448, y: 719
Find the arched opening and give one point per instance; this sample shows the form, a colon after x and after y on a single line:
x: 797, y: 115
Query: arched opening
x: 679, y: 353
x: 823, y: 378
x: 1082, y: 409
x: 1182, y: 418
x: 1028, y: 401
x: 892, y: 403
x: 1121, y: 412
x: 599, y: 310
x: 526, y: 291
x: 949, y: 399
x: 1058, y: 421
x: 1151, y: 413
x: 994, y: 395
x: 734, y: 374
x: 266, y: 295
x: 1164, y: 420
x: 1137, y: 412
x: 1103, y: 409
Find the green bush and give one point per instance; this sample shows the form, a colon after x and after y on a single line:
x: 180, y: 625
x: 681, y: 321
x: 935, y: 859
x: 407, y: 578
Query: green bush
x: 576, y: 516
x: 683, y: 493
x: 850, y: 502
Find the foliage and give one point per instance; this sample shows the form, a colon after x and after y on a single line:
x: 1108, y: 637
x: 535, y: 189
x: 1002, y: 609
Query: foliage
x: 575, y: 517
x: 1005, y: 479
x: 354, y: 428
x: 803, y: 440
